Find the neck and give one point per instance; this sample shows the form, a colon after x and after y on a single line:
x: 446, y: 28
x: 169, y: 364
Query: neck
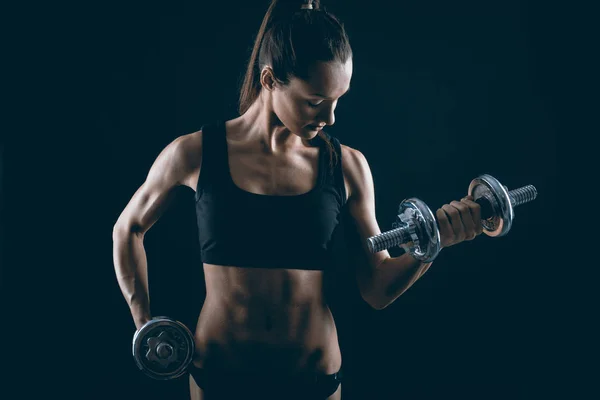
x: 260, y: 124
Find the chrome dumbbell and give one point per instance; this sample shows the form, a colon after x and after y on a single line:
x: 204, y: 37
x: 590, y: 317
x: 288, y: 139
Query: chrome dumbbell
x: 163, y: 348
x: 416, y: 229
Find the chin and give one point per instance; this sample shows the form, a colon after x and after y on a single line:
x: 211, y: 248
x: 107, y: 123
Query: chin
x: 312, y: 129
x: 309, y: 133
x: 303, y: 131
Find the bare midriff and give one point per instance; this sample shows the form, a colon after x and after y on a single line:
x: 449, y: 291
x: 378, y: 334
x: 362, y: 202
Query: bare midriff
x: 265, y: 320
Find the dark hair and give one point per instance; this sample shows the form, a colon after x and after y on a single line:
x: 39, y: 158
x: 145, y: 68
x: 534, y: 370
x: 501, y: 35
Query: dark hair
x: 290, y: 39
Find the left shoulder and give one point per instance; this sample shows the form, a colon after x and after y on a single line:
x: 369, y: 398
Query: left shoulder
x: 356, y: 170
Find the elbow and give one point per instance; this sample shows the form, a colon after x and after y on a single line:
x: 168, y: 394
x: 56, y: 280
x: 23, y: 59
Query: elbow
x: 379, y: 306
x: 119, y: 231
x: 374, y: 302
x: 370, y: 295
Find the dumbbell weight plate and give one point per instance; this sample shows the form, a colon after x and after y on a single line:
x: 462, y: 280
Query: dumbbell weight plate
x: 163, y: 348
x: 426, y: 243
x: 502, y: 211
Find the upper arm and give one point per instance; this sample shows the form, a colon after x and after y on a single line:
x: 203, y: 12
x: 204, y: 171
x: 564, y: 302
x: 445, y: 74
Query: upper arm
x: 361, y: 205
x: 177, y: 164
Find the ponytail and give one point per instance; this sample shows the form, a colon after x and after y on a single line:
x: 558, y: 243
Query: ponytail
x: 279, y: 9
x: 292, y: 37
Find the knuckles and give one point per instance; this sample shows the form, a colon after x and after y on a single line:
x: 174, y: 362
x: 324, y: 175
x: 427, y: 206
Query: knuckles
x: 462, y: 211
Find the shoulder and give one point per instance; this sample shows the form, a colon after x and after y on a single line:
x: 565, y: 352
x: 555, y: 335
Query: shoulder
x: 355, y: 167
x: 182, y: 158
x: 350, y: 156
x: 189, y: 147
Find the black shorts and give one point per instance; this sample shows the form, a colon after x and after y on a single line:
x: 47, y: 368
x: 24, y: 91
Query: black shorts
x: 222, y: 385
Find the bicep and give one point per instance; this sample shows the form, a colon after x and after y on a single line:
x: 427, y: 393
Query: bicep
x: 361, y: 205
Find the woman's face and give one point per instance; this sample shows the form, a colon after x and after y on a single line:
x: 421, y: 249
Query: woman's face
x: 306, y: 106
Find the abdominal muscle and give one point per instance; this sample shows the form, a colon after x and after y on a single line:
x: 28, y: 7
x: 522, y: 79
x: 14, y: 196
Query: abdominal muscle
x: 266, y: 320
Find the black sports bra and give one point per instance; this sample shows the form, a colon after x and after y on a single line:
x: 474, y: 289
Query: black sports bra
x: 243, y: 229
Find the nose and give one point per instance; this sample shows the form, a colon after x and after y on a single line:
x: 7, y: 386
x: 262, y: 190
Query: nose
x: 328, y: 115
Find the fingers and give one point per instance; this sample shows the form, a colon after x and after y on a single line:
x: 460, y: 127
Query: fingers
x: 475, y: 210
x: 453, y: 214
x: 446, y: 232
x: 468, y: 232
x: 459, y: 221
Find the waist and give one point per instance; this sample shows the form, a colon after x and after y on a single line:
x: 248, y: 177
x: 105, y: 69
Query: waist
x: 285, y: 339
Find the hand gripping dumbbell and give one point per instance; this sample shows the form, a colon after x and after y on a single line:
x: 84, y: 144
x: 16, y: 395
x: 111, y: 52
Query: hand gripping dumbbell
x: 163, y: 348
x: 416, y: 229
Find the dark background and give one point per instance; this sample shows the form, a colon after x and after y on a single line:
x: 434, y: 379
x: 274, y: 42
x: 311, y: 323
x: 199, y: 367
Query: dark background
x: 441, y: 93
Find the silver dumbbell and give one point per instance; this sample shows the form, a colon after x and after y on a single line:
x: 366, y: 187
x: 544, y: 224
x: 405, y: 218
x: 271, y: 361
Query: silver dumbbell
x: 416, y: 229
x: 163, y: 348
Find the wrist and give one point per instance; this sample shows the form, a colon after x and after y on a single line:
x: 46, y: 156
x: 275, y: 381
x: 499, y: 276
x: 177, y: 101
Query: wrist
x: 141, y: 315
x: 141, y: 321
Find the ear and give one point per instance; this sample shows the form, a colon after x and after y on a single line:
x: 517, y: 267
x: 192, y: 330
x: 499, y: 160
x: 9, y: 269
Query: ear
x: 267, y: 78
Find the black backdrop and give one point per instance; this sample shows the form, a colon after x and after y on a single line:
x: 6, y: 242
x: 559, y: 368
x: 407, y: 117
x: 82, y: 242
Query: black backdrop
x: 441, y: 93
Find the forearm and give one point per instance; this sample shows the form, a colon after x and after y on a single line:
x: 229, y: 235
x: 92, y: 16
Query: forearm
x: 394, y: 276
x: 129, y: 257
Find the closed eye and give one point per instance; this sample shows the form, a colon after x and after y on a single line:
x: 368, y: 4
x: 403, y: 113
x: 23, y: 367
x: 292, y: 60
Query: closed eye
x: 328, y: 98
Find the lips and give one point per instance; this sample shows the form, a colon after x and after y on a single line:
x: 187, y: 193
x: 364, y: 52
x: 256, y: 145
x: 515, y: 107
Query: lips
x: 315, y: 127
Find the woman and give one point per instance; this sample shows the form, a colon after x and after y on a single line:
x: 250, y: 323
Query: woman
x: 270, y: 186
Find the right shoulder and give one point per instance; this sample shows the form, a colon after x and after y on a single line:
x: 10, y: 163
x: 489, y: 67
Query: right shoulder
x: 190, y: 151
x: 183, y: 158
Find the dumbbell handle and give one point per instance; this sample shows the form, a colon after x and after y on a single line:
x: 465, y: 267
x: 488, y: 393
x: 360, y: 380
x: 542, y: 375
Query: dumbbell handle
x: 517, y: 197
x: 388, y: 239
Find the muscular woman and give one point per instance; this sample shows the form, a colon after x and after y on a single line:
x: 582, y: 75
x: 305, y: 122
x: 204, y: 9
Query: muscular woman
x: 269, y: 188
